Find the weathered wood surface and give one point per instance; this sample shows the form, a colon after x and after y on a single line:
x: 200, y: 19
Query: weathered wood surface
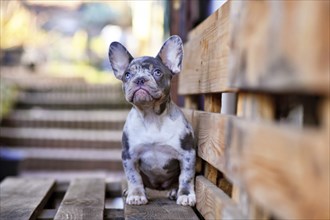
x: 256, y: 107
x: 205, y: 65
x: 23, y: 198
x: 213, y: 203
x: 259, y: 156
x: 83, y: 200
x: 280, y: 46
x: 290, y: 162
x: 159, y: 207
x: 259, y: 45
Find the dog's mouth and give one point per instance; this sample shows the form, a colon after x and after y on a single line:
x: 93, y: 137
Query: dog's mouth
x: 142, y: 91
x: 142, y: 95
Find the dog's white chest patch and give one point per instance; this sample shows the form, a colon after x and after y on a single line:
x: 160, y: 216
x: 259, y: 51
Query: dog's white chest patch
x: 155, y: 136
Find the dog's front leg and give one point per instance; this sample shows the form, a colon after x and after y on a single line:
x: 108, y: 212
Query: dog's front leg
x: 186, y: 191
x: 135, y: 194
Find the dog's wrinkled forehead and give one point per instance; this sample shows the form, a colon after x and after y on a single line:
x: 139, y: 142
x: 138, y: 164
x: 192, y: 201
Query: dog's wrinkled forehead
x: 147, y: 64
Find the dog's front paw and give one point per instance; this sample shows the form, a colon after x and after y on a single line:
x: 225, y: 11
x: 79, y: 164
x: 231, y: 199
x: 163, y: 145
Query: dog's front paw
x: 186, y: 200
x: 136, y: 197
x: 136, y: 200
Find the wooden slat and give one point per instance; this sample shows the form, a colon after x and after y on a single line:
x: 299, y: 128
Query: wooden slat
x: 205, y: 63
x: 293, y: 163
x: 159, y: 207
x: 280, y: 46
x: 257, y: 107
x: 23, y: 198
x: 211, y: 138
x: 260, y: 156
x: 83, y: 200
x: 213, y: 203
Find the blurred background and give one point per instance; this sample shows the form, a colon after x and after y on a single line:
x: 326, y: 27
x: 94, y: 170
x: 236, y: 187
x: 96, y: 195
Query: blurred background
x: 62, y: 110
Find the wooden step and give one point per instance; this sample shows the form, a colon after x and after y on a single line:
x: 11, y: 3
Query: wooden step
x: 67, y: 175
x: 60, y: 138
x: 72, y: 100
x: 75, y: 87
x: 64, y: 159
x: 82, y: 119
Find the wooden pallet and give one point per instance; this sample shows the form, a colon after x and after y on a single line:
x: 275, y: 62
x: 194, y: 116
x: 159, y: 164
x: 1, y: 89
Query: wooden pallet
x: 85, y: 198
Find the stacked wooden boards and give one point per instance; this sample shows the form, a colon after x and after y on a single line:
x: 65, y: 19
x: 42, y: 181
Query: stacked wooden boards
x: 81, y: 198
x: 268, y: 157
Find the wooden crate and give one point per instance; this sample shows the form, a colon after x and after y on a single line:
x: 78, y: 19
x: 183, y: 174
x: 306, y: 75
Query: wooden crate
x: 261, y: 69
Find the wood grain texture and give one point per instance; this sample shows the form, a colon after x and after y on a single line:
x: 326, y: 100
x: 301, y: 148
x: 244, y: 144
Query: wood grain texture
x: 213, y: 203
x: 285, y: 171
x: 205, y: 65
x: 275, y: 47
x: 23, y: 198
x: 211, y: 173
x: 256, y: 107
x: 211, y: 138
x: 260, y: 156
x: 158, y: 207
x: 83, y: 200
x: 212, y: 102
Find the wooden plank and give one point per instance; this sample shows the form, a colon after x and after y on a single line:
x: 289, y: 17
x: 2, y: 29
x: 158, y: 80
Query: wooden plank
x: 114, y: 214
x: 256, y: 107
x: 260, y: 156
x: 212, y: 102
x: 213, y: 203
x: 205, y: 65
x: 211, y: 173
x: 23, y: 198
x: 275, y: 48
x: 293, y: 163
x: 83, y: 200
x: 159, y: 207
x: 211, y: 138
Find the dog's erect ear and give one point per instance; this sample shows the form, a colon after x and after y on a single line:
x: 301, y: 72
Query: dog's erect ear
x: 171, y: 54
x: 119, y: 58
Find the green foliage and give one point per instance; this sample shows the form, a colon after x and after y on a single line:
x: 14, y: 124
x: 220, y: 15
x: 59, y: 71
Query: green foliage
x: 8, y: 94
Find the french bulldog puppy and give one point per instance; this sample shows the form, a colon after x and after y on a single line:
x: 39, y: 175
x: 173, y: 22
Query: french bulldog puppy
x: 158, y: 148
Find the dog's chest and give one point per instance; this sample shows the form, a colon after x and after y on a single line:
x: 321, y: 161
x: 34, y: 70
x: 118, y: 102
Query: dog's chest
x: 154, y: 135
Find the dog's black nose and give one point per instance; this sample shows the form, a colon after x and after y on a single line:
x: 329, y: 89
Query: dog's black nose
x: 140, y: 81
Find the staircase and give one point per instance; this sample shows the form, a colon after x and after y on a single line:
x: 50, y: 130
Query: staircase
x: 64, y: 130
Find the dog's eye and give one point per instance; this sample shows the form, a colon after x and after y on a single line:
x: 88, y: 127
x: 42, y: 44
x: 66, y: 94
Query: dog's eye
x: 127, y: 75
x: 157, y: 72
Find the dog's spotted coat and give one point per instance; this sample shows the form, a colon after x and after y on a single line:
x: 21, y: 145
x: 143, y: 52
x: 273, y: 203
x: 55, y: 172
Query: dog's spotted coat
x: 158, y: 142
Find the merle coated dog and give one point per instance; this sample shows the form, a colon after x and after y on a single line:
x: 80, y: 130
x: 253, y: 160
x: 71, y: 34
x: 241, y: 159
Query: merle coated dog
x: 158, y: 148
